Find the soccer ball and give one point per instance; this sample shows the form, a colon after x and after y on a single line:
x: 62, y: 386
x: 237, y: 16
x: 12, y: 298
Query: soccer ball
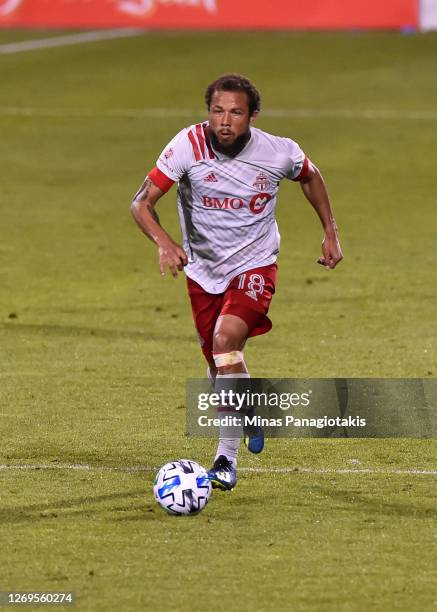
x: 182, y: 487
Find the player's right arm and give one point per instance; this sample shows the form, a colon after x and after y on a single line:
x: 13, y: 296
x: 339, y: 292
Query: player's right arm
x: 143, y: 211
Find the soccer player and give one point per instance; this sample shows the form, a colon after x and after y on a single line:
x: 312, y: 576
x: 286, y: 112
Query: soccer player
x: 228, y: 174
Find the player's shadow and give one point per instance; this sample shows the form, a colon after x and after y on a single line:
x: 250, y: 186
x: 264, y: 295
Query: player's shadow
x: 91, y: 332
x: 359, y: 503
x: 34, y: 513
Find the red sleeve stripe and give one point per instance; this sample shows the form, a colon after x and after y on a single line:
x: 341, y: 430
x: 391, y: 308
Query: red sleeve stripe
x: 160, y: 179
x: 194, y: 145
x: 208, y: 142
x: 304, y: 171
x: 201, y: 140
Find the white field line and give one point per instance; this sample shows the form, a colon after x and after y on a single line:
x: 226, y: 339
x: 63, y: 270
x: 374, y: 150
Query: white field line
x: 285, y: 470
x: 165, y: 113
x: 68, y: 39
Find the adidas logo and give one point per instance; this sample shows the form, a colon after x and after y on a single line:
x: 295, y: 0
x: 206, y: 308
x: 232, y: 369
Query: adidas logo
x: 211, y: 178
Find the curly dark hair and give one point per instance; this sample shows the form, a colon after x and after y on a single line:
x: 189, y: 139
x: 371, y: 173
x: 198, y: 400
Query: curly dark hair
x: 235, y: 82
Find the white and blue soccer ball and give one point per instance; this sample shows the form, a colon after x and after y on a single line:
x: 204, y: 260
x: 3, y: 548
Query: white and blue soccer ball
x: 182, y: 487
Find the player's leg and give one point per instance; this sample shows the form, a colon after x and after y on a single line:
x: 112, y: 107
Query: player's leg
x: 229, y: 338
x: 244, y: 314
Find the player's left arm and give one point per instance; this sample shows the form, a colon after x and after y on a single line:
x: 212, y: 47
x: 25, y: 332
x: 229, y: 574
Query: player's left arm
x: 315, y: 192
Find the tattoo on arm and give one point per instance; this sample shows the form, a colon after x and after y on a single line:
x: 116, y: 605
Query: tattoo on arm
x: 141, y: 197
x: 143, y: 191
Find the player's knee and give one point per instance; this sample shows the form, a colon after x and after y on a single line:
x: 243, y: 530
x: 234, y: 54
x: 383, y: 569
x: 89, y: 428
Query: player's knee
x: 225, y: 342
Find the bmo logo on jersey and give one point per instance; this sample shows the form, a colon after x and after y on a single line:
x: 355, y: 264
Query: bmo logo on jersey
x: 256, y: 204
x: 225, y: 203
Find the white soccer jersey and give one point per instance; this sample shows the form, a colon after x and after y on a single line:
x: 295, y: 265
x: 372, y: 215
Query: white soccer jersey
x: 227, y: 204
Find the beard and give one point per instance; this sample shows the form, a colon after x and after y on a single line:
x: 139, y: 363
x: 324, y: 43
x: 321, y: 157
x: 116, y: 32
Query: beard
x: 232, y: 149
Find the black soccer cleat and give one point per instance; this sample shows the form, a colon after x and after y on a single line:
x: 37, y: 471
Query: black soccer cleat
x: 222, y: 474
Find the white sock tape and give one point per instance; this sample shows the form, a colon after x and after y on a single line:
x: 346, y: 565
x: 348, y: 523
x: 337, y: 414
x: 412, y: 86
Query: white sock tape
x: 225, y: 359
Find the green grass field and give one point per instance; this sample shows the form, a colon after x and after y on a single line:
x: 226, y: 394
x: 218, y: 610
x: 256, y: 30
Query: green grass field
x: 96, y: 346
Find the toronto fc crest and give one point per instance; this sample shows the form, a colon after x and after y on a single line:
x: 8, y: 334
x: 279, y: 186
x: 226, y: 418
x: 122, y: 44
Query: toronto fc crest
x: 261, y: 182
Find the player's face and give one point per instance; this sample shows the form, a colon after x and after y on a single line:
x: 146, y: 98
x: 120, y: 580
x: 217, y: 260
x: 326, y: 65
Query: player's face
x: 229, y: 116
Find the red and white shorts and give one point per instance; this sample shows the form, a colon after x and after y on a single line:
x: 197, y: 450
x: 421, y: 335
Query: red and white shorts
x: 248, y: 296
